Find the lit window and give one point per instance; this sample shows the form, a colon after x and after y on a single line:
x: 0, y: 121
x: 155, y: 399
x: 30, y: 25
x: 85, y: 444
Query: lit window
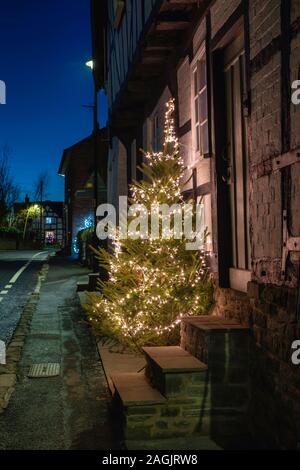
x: 49, y: 220
x: 200, y: 111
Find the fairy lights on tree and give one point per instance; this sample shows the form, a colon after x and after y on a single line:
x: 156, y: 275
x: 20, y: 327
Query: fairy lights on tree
x: 153, y: 282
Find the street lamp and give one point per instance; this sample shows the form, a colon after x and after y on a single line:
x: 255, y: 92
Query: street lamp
x: 90, y: 64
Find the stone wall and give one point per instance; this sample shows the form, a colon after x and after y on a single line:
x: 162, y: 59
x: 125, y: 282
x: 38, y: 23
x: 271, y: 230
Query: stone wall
x: 269, y: 311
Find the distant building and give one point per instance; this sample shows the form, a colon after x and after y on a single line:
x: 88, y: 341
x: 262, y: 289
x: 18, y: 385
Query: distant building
x: 52, y: 221
x: 78, y: 168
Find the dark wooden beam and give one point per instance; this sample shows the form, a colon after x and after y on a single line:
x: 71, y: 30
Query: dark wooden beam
x: 285, y: 75
x: 130, y: 114
x: 172, y: 26
x: 230, y: 29
x: 161, y: 41
x: 174, y: 16
x: 146, y: 71
x: 182, y: 2
x: 172, y: 20
x: 265, y: 55
x: 138, y: 86
x: 154, y: 56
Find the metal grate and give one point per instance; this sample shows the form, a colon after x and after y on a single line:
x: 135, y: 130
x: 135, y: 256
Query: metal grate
x: 44, y: 370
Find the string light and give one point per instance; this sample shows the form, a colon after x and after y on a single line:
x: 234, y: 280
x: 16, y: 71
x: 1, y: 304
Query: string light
x: 153, y: 283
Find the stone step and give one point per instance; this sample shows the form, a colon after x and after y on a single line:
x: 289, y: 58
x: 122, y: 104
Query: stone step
x: 93, y: 281
x: 224, y: 345
x: 216, y: 341
x: 179, y: 443
x: 145, y: 414
x: 175, y: 372
x: 133, y: 389
x: 83, y: 286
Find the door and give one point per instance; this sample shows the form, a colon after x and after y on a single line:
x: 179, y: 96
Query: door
x: 237, y: 161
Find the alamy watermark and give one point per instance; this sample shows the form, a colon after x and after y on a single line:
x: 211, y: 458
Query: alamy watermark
x: 2, y: 92
x: 296, y: 353
x: 178, y: 221
x: 2, y: 353
x: 296, y: 92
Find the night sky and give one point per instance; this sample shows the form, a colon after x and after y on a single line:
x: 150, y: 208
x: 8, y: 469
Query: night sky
x: 44, y: 45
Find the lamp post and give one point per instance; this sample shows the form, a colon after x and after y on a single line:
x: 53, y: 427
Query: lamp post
x: 91, y: 65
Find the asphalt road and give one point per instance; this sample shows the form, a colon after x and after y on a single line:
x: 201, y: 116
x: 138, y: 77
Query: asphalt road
x: 18, y: 277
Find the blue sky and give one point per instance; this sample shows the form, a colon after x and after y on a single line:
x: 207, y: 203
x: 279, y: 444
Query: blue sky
x: 43, y: 49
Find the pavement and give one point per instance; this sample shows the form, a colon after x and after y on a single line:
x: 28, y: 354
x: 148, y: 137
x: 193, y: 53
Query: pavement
x: 71, y: 410
x: 18, y: 276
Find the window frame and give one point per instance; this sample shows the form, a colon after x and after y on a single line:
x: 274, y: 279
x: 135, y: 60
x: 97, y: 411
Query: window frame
x: 197, y: 155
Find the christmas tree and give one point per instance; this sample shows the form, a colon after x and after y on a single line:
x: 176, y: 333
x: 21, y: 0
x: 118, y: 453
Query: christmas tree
x: 153, y: 281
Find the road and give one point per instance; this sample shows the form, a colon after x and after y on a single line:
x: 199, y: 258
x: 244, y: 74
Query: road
x: 18, y: 277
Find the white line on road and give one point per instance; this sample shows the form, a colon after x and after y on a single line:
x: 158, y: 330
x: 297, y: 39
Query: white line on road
x: 9, y: 286
x: 3, y: 292
x: 1, y: 298
x: 18, y: 273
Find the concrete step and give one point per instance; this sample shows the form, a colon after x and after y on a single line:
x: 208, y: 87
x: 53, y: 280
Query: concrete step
x: 175, y: 372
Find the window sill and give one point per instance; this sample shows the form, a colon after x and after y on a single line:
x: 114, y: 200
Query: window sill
x: 198, y: 159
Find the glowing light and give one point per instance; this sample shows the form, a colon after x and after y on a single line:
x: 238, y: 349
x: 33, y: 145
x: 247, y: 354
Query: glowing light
x: 90, y: 64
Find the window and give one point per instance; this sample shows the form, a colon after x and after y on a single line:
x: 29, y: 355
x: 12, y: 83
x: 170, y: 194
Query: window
x: 237, y: 166
x: 50, y: 237
x: 200, y: 107
x: 49, y: 220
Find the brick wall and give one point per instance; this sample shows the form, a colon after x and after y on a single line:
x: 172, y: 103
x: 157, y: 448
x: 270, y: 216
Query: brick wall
x: 269, y: 308
x: 220, y: 12
x: 265, y: 124
x: 295, y: 75
x: 274, y: 413
x: 264, y: 23
x: 266, y: 228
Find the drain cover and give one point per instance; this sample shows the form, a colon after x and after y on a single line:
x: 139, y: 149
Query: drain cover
x: 44, y: 370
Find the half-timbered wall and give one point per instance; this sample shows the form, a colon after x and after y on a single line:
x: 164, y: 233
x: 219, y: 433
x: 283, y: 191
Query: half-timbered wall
x: 264, y: 294
x: 123, y: 40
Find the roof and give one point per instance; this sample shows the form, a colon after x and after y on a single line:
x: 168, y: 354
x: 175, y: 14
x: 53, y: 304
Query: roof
x: 102, y: 133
